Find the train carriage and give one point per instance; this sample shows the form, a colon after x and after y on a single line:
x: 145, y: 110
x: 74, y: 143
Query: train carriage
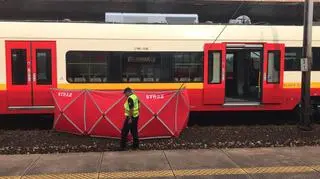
x: 238, y: 68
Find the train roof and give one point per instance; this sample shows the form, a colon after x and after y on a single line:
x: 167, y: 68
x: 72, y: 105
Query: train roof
x: 86, y: 30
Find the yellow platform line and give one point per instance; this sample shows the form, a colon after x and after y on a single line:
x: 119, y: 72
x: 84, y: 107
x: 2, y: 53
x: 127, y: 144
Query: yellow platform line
x: 182, y: 172
x: 63, y: 176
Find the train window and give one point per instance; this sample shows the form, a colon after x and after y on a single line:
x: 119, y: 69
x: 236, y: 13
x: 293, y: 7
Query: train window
x: 292, y: 58
x: 141, y: 67
x: 316, y: 59
x: 19, y: 66
x: 162, y: 67
x: 134, y: 67
x: 230, y: 62
x: 214, y: 67
x: 87, y: 66
x: 273, y: 71
x: 188, y: 67
x: 43, y: 57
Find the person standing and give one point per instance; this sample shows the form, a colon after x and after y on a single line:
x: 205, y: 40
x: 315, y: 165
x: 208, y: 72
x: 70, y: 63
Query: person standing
x: 131, y: 107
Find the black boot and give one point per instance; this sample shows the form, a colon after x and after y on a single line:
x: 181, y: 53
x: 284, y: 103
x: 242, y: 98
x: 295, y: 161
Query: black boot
x: 135, y: 145
x: 122, y: 145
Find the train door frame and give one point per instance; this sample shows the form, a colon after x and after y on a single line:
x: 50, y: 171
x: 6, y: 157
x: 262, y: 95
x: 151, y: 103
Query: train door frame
x: 34, y: 94
x: 271, y: 92
x: 242, y: 56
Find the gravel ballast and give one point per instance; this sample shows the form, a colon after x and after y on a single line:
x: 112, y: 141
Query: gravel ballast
x: 49, y: 141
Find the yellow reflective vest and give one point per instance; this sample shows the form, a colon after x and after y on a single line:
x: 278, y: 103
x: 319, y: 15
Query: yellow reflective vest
x: 136, y: 106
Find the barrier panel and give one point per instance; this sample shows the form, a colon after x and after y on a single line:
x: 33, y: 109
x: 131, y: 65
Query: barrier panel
x: 101, y: 113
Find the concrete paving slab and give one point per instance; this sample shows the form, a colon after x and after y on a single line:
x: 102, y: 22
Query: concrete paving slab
x: 16, y: 165
x: 199, y: 159
x: 135, y: 161
x: 67, y: 164
x: 261, y: 157
x: 211, y: 160
x: 307, y: 155
x: 270, y: 157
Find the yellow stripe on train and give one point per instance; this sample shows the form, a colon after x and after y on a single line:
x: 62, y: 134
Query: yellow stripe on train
x: 298, y: 85
x: 155, y: 86
x: 136, y: 86
x: 150, y: 86
x: 3, y: 87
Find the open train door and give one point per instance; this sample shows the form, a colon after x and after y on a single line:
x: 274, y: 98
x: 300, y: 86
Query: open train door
x: 214, y: 73
x: 273, y: 72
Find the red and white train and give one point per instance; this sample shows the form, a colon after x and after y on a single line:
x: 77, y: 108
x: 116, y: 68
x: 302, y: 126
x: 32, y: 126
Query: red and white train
x: 249, y: 67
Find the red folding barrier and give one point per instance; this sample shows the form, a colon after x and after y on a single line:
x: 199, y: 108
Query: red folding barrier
x: 69, y: 111
x: 101, y: 113
x: 105, y: 113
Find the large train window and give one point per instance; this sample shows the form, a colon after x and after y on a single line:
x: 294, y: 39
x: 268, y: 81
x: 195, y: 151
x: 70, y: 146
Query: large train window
x: 19, y: 66
x: 134, y: 67
x: 141, y: 67
x: 43, y: 57
x: 87, y: 66
x: 214, y: 67
x: 162, y: 67
x: 273, y: 71
x: 316, y: 58
x: 188, y: 67
x: 292, y: 58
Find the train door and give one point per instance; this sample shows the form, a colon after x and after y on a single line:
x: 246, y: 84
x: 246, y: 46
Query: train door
x: 31, y: 72
x: 214, y: 73
x: 273, y: 72
x: 18, y: 60
x: 43, y: 72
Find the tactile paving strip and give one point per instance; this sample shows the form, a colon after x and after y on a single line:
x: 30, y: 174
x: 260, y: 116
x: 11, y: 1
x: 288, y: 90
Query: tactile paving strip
x: 172, y: 173
x: 62, y: 176
x: 137, y: 174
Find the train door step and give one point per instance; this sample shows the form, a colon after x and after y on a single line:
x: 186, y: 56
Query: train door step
x: 242, y: 104
x: 30, y: 107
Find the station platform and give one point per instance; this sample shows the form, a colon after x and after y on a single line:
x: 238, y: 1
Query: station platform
x: 297, y: 162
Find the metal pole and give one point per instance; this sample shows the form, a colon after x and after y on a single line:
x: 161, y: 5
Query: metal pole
x: 306, y: 64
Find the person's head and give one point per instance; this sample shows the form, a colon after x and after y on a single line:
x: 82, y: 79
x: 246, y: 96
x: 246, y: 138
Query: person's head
x: 127, y: 91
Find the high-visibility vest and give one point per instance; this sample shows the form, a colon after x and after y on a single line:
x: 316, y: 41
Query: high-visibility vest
x: 136, y: 106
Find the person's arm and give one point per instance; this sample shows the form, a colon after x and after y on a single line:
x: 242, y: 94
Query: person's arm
x: 131, y: 106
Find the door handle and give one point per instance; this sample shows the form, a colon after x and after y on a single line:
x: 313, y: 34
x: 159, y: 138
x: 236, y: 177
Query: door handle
x: 29, y: 75
x: 34, y: 77
x: 223, y: 74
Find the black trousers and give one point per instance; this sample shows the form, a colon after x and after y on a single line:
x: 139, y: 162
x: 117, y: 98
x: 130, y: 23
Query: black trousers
x: 133, y: 127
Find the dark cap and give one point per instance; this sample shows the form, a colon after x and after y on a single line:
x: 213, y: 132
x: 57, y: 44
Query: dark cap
x: 127, y: 90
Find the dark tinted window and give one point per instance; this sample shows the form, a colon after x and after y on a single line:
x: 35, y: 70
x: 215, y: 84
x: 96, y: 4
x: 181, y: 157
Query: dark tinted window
x: 87, y: 67
x: 316, y: 59
x: 19, y: 66
x: 292, y: 58
x: 134, y: 67
x: 141, y: 67
x: 43, y: 57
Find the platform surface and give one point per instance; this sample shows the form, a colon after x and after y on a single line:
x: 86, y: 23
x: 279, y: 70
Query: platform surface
x: 298, y: 162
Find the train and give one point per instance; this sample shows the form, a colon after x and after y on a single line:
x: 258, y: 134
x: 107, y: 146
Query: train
x: 222, y: 67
